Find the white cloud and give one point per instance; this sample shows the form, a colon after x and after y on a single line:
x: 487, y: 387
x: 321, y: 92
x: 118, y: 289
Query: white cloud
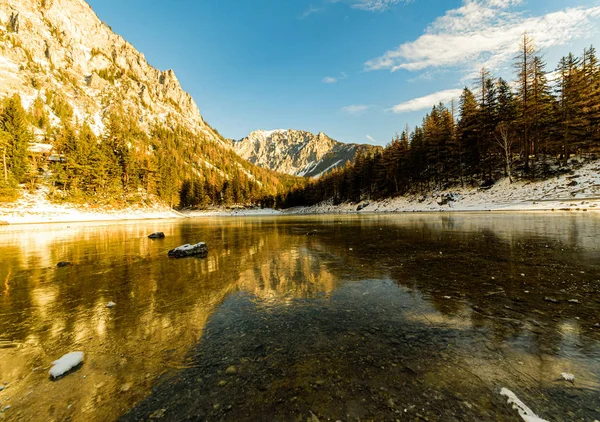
x: 356, y: 109
x: 311, y: 9
x: 427, y: 101
x: 371, y: 139
x: 375, y: 5
x: 329, y: 80
x: 485, y: 33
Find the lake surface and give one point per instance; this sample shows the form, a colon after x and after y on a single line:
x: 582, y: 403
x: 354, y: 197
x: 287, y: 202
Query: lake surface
x: 381, y: 317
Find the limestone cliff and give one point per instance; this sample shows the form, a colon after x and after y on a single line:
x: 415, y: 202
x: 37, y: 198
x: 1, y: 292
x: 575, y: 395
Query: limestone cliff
x: 296, y: 152
x: 62, y: 46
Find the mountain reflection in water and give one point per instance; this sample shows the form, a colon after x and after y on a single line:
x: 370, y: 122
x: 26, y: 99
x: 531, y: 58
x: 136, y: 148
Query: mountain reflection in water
x: 344, y: 317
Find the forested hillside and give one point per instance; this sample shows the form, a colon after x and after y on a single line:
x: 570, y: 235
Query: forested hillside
x: 85, y: 117
x: 526, y: 129
x: 124, y: 164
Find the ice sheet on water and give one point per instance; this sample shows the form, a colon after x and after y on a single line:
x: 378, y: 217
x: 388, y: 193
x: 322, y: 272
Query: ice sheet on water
x: 65, y: 364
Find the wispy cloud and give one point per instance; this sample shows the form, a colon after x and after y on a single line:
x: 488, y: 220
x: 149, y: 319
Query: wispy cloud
x: 375, y: 5
x: 368, y: 5
x: 356, y: 109
x: 311, y: 10
x: 371, y: 139
x: 485, y: 33
x: 427, y: 101
x: 333, y: 80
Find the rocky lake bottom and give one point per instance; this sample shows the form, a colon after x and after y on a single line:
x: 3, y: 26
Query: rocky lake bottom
x: 374, y: 317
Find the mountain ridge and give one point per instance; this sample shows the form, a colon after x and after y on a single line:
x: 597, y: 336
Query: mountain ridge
x: 73, y: 75
x: 297, y: 152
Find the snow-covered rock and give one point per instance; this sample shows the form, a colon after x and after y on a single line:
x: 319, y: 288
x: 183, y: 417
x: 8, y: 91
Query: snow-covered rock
x: 199, y: 249
x: 65, y: 364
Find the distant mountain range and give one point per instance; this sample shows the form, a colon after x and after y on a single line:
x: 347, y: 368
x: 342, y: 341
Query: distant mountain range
x: 296, y: 152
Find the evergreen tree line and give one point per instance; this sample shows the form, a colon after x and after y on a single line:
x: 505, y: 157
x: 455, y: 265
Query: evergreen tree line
x: 125, y: 164
x: 526, y: 129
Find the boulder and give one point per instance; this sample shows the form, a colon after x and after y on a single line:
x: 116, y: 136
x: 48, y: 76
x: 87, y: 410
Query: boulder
x: 362, y: 206
x: 199, y: 249
x: 157, y: 235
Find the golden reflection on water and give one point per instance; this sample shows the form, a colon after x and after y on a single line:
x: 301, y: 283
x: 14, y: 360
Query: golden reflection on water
x: 163, y: 305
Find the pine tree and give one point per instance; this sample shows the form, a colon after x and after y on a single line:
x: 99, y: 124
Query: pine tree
x: 468, y: 132
x: 525, y: 77
x: 17, y: 136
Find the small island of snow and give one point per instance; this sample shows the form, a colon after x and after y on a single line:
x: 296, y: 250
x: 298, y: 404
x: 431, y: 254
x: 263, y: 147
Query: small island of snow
x: 65, y: 364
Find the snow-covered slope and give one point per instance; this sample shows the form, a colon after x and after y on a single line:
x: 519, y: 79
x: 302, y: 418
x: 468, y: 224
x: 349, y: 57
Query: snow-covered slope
x: 575, y: 191
x: 296, y: 152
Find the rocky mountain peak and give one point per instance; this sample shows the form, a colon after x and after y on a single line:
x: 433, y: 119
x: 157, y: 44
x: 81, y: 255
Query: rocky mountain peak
x: 62, y: 46
x: 296, y: 152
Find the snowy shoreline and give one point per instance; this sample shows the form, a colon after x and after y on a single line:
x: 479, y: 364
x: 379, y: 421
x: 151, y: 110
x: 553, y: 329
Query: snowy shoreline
x: 578, y: 191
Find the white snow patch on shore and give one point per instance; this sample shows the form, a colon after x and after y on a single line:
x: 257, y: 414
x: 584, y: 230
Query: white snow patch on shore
x: 223, y: 212
x: 558, y: 193
x: 35, y: 207
x: 65, y: 364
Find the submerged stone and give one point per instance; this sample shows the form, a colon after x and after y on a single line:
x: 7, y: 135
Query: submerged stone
x: 157, y: 235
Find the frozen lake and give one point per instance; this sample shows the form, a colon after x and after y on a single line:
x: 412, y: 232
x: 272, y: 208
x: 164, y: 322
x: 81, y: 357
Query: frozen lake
x: 371, y: 317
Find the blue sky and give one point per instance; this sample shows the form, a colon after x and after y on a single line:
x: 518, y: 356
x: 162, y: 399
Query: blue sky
x: 358, y: 70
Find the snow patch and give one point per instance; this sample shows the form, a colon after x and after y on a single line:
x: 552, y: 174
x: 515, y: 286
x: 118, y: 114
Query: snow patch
x: 65, y: 364
x: 568, y: 377
x: 188, y: 247
x: 525, y: 412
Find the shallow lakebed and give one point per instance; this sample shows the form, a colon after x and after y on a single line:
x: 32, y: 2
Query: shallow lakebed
x: 371, y: 317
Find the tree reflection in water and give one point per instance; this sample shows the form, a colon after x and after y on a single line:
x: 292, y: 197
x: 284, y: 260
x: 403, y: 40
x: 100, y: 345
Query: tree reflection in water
x: 364, y: 317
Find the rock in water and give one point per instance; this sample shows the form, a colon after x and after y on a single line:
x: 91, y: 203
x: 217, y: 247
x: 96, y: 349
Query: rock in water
x: 63, y: 264
x: 65, y: 364
x: 199, y: 249
x: 157, y: 235
x: 568, y: 377
x: 111, y: 304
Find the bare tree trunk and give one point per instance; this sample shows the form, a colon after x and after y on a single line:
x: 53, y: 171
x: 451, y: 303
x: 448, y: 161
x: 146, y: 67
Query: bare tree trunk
x: 4, y: 164
x: 505, y: 141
